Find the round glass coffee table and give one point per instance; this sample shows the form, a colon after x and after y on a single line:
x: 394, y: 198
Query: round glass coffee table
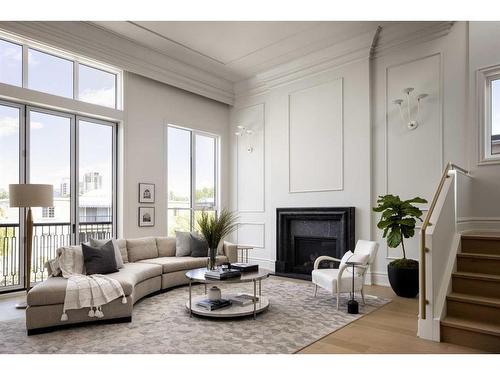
x: 260, y: 305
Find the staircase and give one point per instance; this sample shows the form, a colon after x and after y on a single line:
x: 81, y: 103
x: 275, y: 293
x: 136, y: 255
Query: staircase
x: 473, y: 306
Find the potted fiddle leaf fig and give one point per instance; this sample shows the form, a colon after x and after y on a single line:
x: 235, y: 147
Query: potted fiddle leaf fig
x: 214, y: 229
x: 398, y: 221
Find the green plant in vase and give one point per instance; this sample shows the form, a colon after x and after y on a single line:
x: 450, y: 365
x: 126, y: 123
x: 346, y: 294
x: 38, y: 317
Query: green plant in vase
x: 398, y: 222
x: 214, y: 229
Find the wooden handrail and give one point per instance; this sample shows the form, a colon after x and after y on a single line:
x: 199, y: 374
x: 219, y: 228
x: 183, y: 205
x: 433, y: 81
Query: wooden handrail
x: 423, y: 249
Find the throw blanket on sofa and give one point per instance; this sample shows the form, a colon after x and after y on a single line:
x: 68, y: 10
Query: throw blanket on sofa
x: 91, y: 291
x: 82, y: 290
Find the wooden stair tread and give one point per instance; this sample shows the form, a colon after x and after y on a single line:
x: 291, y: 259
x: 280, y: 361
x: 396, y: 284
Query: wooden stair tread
x: 487, y: 237
x: 478, y: 256
x: 471, y: 325
x: 469, y: 298
x: 477, y: 276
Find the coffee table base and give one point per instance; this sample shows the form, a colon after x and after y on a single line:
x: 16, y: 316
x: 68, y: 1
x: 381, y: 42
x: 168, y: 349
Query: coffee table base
x: 232, y: 311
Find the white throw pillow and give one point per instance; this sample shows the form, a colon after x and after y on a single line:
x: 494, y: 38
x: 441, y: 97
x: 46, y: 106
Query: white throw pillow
x: 346, y: 257
x: 358, y: 258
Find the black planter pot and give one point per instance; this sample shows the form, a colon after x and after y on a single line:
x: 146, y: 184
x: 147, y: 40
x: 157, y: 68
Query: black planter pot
x: 404, y: 281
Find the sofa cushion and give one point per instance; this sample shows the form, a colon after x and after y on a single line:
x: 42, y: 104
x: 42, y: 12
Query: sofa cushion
x: 182, y: 244
x: 141, y: 248
x: 199, y: 245
x: 166, y: 246
x: 122, y: 245
x: 173, y: 264
x: 101, y: 243
x: 99, y: 260
x: 134, y: 273
x: 53, y: 290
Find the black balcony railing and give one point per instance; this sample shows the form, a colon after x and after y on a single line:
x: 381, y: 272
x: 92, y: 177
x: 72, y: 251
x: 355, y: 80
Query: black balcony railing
x: 47, y: 238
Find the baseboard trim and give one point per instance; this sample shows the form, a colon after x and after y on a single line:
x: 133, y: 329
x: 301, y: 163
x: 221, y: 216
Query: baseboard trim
x: 378, y: 278
x: 467, y: 224
x: 262, y: 262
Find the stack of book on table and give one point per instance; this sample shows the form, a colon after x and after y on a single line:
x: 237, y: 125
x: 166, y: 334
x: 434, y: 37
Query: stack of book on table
x: 222, y: 274
x: 243, y: 299
x: 214, y: 305
x: 245, y: 267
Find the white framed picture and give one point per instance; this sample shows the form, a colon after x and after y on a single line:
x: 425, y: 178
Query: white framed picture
x: 146, y: 193
x: 146, y: 216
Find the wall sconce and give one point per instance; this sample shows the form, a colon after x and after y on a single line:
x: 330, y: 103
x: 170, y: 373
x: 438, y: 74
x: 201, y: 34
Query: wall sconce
x: 411, y: 122
x: 242, y: 131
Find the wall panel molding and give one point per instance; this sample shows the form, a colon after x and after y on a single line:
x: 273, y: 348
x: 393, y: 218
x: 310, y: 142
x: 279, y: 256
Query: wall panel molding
x: 259, y: 234
x: 389, y: 104
x: 337, y: 118
x: 259, y: 128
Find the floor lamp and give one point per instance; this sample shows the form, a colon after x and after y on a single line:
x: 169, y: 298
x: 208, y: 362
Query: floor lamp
x: 27, y: 196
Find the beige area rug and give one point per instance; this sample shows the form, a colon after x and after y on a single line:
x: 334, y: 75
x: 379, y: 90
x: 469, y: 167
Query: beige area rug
x: 161, y: 324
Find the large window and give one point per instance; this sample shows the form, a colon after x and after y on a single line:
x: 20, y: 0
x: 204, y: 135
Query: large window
x: 58, y: 73
x: 77, y: 156
x: 495, y: 118
x: 489, y: 114
x: 192, y: 177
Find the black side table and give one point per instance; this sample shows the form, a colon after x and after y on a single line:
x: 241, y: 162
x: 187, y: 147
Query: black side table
x: 352, y: 304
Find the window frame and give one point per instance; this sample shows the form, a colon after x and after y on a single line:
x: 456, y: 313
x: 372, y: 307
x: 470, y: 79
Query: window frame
x: 484, y: 78
x: 4, y: 39
x: 24, y: 173
x: 74, y: 58
x: 193, y: 207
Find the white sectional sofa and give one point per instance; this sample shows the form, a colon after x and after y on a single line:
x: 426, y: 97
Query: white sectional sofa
x: 150, y: 266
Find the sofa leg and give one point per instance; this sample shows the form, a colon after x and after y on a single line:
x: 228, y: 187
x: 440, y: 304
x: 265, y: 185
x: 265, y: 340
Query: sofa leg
x: 315, y: 290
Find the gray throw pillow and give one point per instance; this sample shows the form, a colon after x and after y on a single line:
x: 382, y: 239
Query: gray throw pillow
x: 199, y: 245
x: 182, y: 244
x: 118, y: 254
x: 99, y: 260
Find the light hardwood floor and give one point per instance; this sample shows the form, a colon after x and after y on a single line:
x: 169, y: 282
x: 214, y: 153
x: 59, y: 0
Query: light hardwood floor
x: 390, y: 329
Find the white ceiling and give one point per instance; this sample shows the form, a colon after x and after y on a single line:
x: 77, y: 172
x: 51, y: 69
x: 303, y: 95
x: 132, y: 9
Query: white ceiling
x: 237, y: 50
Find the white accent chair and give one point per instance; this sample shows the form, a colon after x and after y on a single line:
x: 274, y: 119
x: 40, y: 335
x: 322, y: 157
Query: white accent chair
x: 339, y: 280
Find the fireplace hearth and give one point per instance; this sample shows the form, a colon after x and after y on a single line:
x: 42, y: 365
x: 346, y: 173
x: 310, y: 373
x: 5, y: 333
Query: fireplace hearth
x: 303, y: 234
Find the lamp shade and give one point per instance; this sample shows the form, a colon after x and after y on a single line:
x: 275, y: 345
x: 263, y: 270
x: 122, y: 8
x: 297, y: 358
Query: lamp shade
x: 31, y: 195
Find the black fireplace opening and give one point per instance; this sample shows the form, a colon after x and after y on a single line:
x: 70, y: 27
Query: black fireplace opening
x: 307, y: 249
x: 303, y: 234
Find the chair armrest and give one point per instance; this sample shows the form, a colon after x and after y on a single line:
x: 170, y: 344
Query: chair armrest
x: 322, y: 258
x: 230, y: 251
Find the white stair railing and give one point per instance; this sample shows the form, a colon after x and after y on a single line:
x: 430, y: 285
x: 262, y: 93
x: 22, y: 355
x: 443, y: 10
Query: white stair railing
x: 439, y: 243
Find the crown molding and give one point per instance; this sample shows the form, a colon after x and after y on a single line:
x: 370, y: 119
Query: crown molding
x: 337, y: 55
x: 102, y: 45
x: 403, y: 35
x: 371, y: 45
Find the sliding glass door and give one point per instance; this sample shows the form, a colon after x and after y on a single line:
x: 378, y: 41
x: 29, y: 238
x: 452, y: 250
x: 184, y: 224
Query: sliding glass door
x: 77, y: 156
x: 192, y: 177
x: 11, y: 128
x: 49, y: 157
x: 96, y: 179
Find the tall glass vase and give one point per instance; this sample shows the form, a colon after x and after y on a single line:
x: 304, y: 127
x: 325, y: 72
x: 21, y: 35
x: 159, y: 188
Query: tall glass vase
x: 212, y: 255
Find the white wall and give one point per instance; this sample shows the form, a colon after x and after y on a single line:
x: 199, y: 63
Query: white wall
x: 483, y: 212
x: 150, y: 105
x: 380, y: 155
x: 338, y: 174
x: 410, y: 162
